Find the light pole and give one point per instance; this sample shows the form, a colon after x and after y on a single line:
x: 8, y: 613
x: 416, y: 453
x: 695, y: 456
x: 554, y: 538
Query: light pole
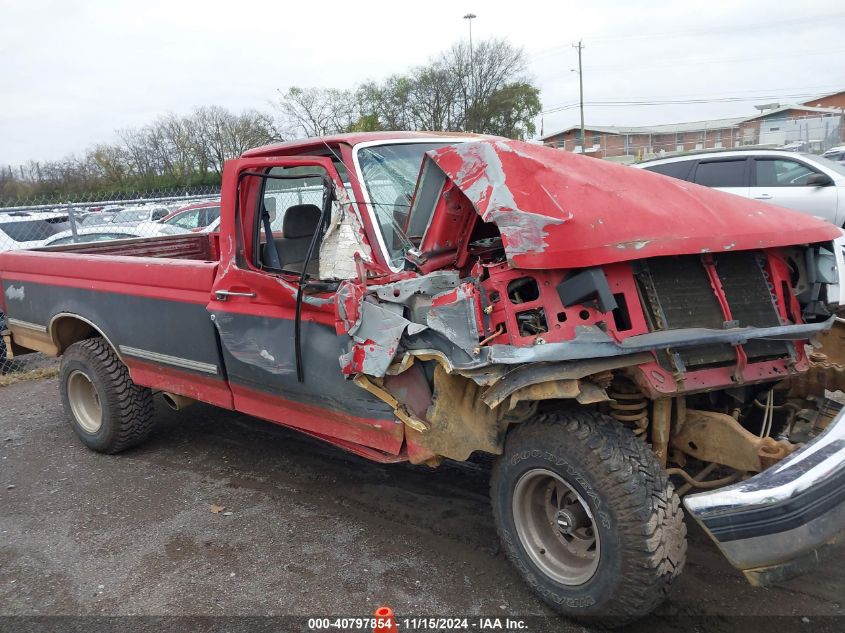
x: 470, y: 17
x: 580, y: 47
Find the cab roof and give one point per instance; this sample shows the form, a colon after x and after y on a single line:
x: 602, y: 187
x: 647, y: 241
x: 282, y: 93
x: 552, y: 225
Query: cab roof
x: 302, y: 145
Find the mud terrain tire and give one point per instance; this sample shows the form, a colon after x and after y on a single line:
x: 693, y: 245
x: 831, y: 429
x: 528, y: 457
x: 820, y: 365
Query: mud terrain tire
x: 107, y: 411
x: 626, y: 503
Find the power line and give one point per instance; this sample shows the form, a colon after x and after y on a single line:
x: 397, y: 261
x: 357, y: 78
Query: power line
x: 822, y: 19
x: 693, y: 61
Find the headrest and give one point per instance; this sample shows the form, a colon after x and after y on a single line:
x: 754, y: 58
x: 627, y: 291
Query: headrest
x: 301, y: 220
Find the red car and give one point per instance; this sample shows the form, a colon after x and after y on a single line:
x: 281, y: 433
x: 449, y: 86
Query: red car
x: 194, y: 217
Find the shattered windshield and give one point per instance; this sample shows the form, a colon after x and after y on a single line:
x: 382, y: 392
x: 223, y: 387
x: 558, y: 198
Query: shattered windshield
x: 390, y: 174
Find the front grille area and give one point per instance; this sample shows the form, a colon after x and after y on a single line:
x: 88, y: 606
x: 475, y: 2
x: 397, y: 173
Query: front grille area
x: 746, y: 286
x: 677, y: 293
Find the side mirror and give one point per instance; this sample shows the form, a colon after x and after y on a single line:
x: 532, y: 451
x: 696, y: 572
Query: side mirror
x: 818, y: 180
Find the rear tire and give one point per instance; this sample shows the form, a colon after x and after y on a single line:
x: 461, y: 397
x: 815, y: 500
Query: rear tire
x: 107, y: 411
x: 568, y: 478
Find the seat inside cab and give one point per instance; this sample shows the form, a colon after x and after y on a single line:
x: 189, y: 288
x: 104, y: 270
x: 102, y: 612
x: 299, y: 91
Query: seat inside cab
x: 299, y: 224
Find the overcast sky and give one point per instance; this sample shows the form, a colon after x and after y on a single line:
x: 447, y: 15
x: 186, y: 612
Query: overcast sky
x: 72, y: 72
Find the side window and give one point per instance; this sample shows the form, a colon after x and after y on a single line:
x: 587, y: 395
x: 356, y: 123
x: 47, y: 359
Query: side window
x: 679, y: 169
x: 158, y: 215
x: 721, y: 173
x: 779, y: 172
x: 291, y: 207
x: 187, y: 220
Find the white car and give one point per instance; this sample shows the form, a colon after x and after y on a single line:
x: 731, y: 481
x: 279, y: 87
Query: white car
x: 136, y: 215
x: 102, y: 233
x: 804, y: 182
x: 836, y: 154
x: 28, y: 229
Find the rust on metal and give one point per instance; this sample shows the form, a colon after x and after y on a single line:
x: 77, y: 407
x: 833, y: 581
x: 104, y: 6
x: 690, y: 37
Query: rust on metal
x: 460, y: 422
x: 717, y: 437
x: 661, y: 421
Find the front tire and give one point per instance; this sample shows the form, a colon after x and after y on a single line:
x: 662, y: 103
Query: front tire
x: 106, y: 410
x: 588, y: 516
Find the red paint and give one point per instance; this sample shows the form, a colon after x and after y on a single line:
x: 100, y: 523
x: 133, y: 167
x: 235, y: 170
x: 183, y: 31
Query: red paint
x: 593, y: 212
x: 206, y: 389
x: 173, y: 279
x: 190, y: 207
x: 383, y: 435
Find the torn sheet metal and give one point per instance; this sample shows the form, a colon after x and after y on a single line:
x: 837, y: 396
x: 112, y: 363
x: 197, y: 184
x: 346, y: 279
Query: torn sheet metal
x: 375, y: 334
x: 431, y: 284
x: 342, y: 241
x: 556, y: 209
x: 455, y: 315
x: 375, y: 317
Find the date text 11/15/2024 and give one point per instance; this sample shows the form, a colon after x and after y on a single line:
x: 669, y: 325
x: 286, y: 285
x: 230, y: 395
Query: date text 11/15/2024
x: 478, y: 623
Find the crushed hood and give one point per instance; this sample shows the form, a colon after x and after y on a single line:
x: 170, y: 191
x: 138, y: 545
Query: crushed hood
x: 555, y: 209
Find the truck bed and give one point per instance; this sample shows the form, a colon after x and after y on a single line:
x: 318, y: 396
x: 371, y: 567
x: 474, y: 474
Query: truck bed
x: 196, y: 246
x: 148, y: 297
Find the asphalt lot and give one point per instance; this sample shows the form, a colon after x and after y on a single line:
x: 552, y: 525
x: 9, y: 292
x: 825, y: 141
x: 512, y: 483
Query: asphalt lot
x: 307, y: 530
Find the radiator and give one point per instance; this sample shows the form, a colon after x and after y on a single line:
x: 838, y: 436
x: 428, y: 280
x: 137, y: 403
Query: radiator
x: 677, y: 293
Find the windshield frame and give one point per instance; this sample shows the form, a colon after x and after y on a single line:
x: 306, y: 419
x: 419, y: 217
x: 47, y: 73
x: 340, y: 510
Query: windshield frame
x: 365, y: 193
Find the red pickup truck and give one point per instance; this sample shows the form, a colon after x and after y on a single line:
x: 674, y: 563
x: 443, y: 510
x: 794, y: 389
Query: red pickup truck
x: 603, y: 331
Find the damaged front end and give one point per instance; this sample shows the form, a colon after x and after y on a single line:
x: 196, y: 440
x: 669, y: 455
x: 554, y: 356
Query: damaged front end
x: 537, y: 278
x: 528, y: 255
x: 778, y: 524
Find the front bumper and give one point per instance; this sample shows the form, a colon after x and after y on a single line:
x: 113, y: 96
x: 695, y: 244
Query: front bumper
x: 779, y: 523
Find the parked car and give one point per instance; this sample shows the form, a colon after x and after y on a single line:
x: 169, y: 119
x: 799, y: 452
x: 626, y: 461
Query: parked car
x: 804, y: 182
x: 136, y: 215
x: 98, y: 218
x: 102, y: 233
x: 194, y: 217
x: 595, y: 329
x: 26, y: 229
x: 836, y: 154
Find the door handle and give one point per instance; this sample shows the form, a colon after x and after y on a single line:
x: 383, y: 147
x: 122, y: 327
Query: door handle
x: 763, y: 196
x: 223, y: 295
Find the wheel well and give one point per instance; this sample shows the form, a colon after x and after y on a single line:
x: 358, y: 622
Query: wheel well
x: 66, y: 330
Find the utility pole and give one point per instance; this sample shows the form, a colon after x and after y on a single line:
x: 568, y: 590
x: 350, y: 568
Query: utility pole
x: 580, y: 47
x: 470, y: 17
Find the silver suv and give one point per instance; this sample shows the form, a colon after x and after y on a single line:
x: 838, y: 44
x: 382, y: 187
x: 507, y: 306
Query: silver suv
x: 28, y: 229
x: 804, y: 182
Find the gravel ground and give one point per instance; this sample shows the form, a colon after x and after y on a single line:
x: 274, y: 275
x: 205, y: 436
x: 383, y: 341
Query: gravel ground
x: 307, y: 530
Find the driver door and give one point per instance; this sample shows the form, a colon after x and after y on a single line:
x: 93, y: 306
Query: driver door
x: 254, y: 306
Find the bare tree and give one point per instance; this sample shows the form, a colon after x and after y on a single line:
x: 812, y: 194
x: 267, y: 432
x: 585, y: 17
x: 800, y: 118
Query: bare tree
x: 317, y: 111
x: 455, y: 91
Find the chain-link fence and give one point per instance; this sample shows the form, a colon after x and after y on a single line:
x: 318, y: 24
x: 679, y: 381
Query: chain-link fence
x: 36, y: 223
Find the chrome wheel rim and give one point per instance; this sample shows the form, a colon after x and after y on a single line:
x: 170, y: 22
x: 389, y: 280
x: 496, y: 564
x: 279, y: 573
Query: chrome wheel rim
x: 84, y: 402
x: 556, y: 527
